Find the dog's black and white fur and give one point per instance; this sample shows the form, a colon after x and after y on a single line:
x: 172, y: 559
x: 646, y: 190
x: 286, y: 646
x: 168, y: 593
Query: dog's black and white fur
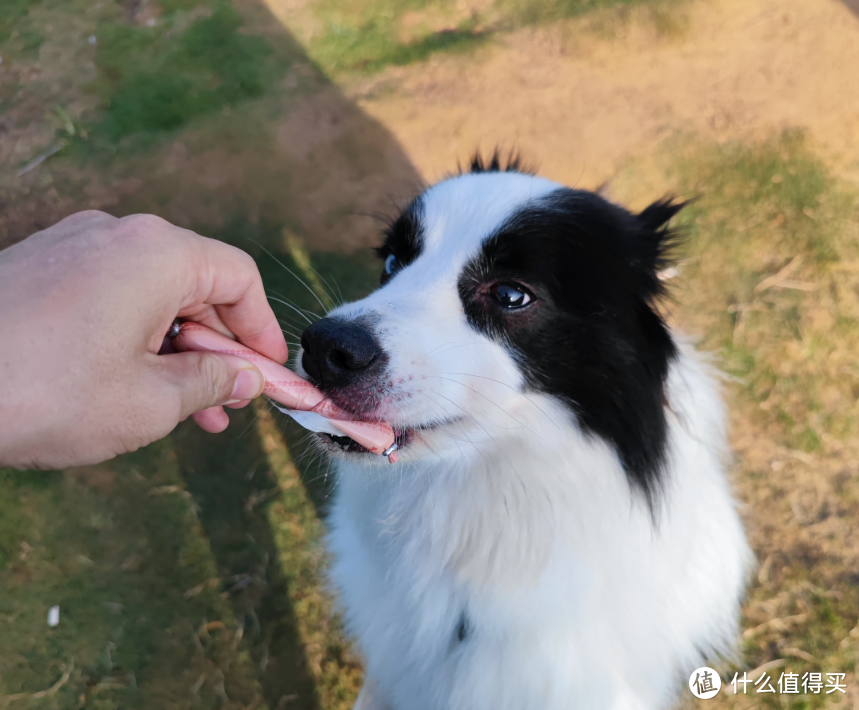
x: 558, y: 532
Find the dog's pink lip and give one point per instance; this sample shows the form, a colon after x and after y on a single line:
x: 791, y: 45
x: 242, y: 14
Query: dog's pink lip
x: 355, y: 412
x: 335, y: 395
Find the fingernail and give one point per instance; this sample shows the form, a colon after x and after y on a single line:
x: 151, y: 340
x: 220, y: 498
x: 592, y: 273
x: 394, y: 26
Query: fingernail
x: 248, y: 385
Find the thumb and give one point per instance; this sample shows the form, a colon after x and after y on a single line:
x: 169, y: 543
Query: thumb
x: 199, y: 380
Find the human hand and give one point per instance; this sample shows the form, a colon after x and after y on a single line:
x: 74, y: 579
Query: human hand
x: 84, y: 308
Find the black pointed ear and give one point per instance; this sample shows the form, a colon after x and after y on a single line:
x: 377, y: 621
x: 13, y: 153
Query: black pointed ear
x: 656, y: 216
x: 656, y: 239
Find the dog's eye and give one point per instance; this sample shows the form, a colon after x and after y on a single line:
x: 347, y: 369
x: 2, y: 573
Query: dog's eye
x: 391, y: 265
x: 509, y: 296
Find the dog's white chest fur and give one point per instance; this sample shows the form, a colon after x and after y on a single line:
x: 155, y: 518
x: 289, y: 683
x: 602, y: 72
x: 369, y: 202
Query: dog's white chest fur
x: 528, y: 574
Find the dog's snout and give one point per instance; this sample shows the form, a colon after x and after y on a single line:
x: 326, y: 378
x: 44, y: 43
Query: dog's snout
x: 339, y: 353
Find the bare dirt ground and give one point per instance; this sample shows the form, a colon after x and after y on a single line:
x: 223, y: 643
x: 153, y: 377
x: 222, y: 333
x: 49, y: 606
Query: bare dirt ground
x: 585, y: 97
x: 580, y: 99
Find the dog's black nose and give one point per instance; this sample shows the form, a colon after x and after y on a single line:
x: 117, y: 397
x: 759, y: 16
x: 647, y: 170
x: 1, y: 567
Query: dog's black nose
x: 339, y: 353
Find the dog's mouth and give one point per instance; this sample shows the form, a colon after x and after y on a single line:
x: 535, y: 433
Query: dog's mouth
x: 346, y: 398
x: 347, y: 445
x: 404, y: 437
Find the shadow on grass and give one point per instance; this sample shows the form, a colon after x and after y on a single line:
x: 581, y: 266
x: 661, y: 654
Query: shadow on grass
x: 262, y: 496
x: 226, y: 474
x: 299, y: 161
x: 290, y: 178
x: 289, y: 170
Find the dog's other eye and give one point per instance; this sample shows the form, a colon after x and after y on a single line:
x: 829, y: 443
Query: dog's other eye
x: 509, y: 296
x: 391, y: 265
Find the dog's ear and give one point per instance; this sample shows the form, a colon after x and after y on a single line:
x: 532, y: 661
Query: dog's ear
x: 656, y: 241
x: 656, y: 216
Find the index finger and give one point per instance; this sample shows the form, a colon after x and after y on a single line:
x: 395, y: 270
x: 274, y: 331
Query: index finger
x: 227, y: 279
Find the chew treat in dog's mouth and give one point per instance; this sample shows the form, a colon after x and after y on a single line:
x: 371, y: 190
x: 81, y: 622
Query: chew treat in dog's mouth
x: 303, y: 402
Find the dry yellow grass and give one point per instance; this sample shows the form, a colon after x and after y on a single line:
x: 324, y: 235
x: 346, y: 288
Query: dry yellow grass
x: 769, y: 281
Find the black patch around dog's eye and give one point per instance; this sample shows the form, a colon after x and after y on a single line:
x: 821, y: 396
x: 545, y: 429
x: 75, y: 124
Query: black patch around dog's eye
x: 403, y: 240
x: 593, y: 337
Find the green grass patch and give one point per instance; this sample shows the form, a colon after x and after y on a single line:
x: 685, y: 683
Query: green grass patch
x: 373, y: 45
x: 18, y: 35
x: 116, y: 547
x: 160, y: 78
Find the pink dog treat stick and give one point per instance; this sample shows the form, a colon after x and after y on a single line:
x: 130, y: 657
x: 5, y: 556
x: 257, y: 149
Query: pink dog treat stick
x: 376, y: 437
x: 288, y: 388
x: 281, y: 384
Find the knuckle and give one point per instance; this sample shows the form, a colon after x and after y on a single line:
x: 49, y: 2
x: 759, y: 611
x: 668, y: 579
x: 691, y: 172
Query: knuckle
x: 248, y: 262
x: 88, y: 226
x: 212, y: 372
x: 238, y: 257
x: 89, y: 216
x: 248, y: 265
x: 143, y: 226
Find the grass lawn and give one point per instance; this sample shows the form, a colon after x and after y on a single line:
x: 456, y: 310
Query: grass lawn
x: 769, y: 281
x: 191, y: 573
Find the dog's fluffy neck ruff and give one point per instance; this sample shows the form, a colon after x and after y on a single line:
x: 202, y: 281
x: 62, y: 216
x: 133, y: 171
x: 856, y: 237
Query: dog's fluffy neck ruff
x: 572, y: 595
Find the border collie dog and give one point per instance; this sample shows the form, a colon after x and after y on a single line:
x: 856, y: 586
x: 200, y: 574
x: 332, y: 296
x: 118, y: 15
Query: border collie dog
x: 558, y: 532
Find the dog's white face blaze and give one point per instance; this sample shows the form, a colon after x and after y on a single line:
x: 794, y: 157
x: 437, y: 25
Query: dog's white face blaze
x: 452, y: 385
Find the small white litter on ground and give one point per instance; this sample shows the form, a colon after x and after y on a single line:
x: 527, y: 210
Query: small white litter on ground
x: 53, y: 616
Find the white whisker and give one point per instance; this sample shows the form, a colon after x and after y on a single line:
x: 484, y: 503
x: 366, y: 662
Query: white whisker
x: 292, y: 273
